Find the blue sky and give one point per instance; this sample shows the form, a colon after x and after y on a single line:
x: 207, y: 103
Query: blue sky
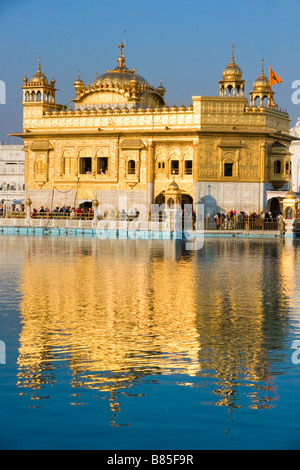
x: 186, y: 43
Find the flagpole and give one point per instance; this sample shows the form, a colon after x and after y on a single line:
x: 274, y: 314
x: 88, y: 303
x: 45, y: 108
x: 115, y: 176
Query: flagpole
x: 270, y: 87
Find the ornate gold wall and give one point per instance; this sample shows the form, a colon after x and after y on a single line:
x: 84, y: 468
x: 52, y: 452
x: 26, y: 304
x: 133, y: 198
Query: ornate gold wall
x: 214, y: 139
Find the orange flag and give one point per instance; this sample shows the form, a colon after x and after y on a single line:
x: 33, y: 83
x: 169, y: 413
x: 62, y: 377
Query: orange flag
x: 274, y: 78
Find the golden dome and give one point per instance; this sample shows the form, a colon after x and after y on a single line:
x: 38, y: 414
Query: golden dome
x: 262, y: 83
x: 173, y: 186
x: 161, y: 89
x: 39, y: 76
x: 121, y: 75
x: 78, y: 83
x: 232, y: 71
x: 290, y: 195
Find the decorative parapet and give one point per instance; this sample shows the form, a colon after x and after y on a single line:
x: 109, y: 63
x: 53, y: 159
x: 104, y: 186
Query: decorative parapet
x: 205, y: 113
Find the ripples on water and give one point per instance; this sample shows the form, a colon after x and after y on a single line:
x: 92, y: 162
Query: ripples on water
x: 107, y: 315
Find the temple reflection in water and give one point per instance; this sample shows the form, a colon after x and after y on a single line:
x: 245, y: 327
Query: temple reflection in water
x: 114, y: 312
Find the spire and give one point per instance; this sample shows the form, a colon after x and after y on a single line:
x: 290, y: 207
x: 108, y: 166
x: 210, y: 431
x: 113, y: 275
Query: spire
x: 121, y: 59
x: 39, y: 77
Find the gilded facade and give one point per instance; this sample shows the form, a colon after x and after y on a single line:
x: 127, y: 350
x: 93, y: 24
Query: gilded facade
x: 120, y: 140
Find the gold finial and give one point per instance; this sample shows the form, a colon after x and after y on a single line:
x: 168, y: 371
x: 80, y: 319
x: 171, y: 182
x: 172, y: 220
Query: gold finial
x: 39, y: 63
x: 121, y: 59
x: 262, y: 66
x: 121, y: 46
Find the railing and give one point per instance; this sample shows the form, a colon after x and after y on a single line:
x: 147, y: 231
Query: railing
x: 12, y: 215
x: 63, y: 215
x: 246, y: 223
x: 188, y: 223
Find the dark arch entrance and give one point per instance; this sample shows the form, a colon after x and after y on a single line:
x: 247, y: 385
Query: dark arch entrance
x: 86, y: 205
x: 275, y: 205
x: 186, y: 199
x: 160, y: 199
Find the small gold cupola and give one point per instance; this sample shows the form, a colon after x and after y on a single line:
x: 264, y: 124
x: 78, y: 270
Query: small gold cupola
x: 232, y: 83
x: 261, y: 94
x: 39, y: 77
x: 79, y: 85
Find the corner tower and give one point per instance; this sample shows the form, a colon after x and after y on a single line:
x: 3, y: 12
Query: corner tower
x: 38, y: 94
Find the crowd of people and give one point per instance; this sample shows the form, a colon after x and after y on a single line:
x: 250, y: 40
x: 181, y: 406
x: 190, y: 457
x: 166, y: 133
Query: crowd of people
x: 87, y: 213
x: 63, y: 212
x: 232, y: 220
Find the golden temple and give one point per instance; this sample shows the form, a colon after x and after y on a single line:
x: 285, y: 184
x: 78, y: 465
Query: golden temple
x: 123, y: 141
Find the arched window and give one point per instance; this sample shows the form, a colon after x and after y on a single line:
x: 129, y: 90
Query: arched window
x: 39, y: 96
x: 131, y: 167
x: 27, y: 96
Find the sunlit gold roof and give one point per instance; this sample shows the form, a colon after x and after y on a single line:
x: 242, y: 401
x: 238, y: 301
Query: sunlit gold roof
x: 120, y: 75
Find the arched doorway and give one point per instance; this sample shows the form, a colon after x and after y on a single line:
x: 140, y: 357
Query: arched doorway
x: 86, y: 205
x: 160, y: 199
x: 274, y: 205
x: 186, y: 199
